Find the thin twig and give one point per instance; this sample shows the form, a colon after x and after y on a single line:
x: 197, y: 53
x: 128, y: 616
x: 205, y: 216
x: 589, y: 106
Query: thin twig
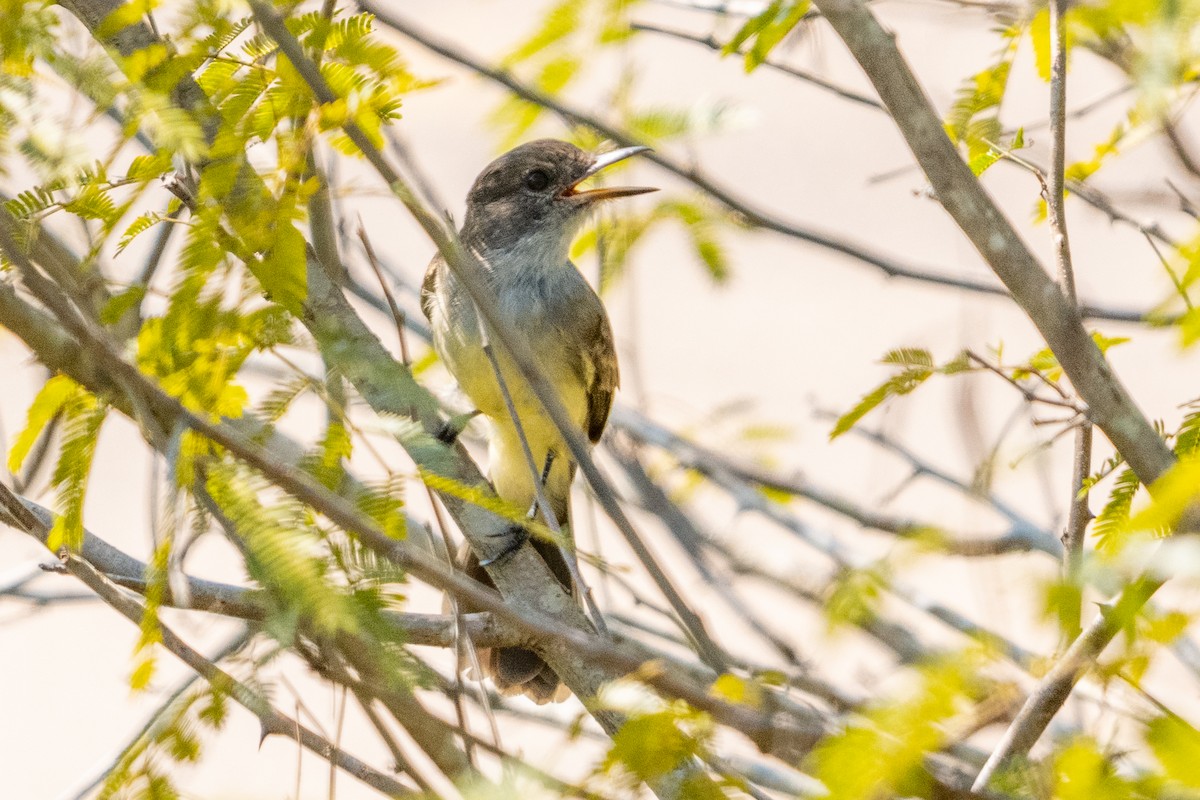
x: 738, y: 205
x: 1022, y: 535
x: 1021, y: 735
x: 711, y: 43
x: 398, y: 316
x: 1029, y: 395
x: 1078, y: 514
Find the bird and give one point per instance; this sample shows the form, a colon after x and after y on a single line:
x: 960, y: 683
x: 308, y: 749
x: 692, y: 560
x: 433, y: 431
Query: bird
x: 523, y: 212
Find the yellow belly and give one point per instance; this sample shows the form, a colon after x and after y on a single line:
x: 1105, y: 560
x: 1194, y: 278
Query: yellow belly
x: 508, y: 466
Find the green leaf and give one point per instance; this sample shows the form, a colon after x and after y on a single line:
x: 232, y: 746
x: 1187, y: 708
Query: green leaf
x: 1082, y: 772
x: 901, y: 383
x: 1171, y: 495
x: 974, y: 118
x: 767, y: 29
x: 283, y: 554
x: 139, y: 226
x: 119, y: 305
x: 122, y: 17
x: 284, y: 270
x: 1039, y: 35
x: 30, y: 202
x: 1187, y: 438
x: 856, y: 596
x: 558, y: 23
x: 1110, y: 524
x: 81, y: 433
x: 881, y: 750
x: 143, y: 673
x: 1176, y: 745
x: 650, y: 745
x: 1106, y: 343
x: 916, y: 367
x: 909, y: 357
x: 50, y: 400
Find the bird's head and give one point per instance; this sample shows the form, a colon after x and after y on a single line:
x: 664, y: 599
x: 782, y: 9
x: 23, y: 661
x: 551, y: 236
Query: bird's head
x: 530, y: 197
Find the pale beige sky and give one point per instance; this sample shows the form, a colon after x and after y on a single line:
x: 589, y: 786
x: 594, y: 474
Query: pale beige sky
x: 796, y: 328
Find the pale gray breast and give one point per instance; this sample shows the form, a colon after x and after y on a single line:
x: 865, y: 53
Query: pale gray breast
x: 555, y: 309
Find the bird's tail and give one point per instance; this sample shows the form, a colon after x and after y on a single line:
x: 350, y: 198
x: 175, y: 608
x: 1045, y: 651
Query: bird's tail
x: 519, y: 670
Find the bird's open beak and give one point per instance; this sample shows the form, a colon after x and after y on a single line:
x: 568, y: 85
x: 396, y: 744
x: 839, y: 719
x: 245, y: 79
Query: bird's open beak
x: 607, y: 192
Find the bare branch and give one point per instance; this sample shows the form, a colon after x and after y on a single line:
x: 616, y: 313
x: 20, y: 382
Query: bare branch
x: 1022, y: 536
x: 1111, y: 407
x: 711, y: 43
x: 1078, y: 514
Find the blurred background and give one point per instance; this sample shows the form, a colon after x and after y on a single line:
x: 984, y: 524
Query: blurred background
x: 750, y: 345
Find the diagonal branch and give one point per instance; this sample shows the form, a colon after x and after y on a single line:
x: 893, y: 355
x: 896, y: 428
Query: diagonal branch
x: 1055, y: 316
x: 963, y: 197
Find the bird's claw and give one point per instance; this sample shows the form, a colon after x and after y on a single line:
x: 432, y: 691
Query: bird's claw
x: 517, y: 537
x: 448, y: 432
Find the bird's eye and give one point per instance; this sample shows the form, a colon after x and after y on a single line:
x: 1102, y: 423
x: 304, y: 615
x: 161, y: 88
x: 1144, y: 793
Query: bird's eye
x: 537, y: 180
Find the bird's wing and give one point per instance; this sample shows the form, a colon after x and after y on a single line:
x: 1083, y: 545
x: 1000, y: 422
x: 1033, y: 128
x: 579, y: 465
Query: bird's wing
x: 605, y: 375
x: 429, y: 286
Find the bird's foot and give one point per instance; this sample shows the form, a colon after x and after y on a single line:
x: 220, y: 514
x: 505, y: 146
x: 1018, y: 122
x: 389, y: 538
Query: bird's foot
x: 517, y: 535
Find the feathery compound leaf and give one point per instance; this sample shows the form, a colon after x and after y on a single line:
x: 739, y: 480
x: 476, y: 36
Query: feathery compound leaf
x: 917, y: 366
x: 30, y: 202
x: 900, y: 384
x: 384, y: 503
x: 139, y: 226
x: 974, y: 119
x: 1187, y: 438
x: 84, y: 416
x: 224, y: 35
x: 1046, y: 363
x: 285, y: 551
x: 276, y: 404
x: 93, y: 204
x: 327, y: 464
x: 54, y: 394
x: 909, y: 357
x: 1111, y: 523
x: 557, y: 24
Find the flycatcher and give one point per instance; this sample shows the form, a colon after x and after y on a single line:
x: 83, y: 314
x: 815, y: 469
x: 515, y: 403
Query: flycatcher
x: 523, y: 212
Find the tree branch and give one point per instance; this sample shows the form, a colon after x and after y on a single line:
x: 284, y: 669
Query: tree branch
x: 963, y: 197
x: 738, y: 205
x: 1020, y: 537
x: 1078, y: 513
x: 711, y: 43
x: 1057, y: 319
